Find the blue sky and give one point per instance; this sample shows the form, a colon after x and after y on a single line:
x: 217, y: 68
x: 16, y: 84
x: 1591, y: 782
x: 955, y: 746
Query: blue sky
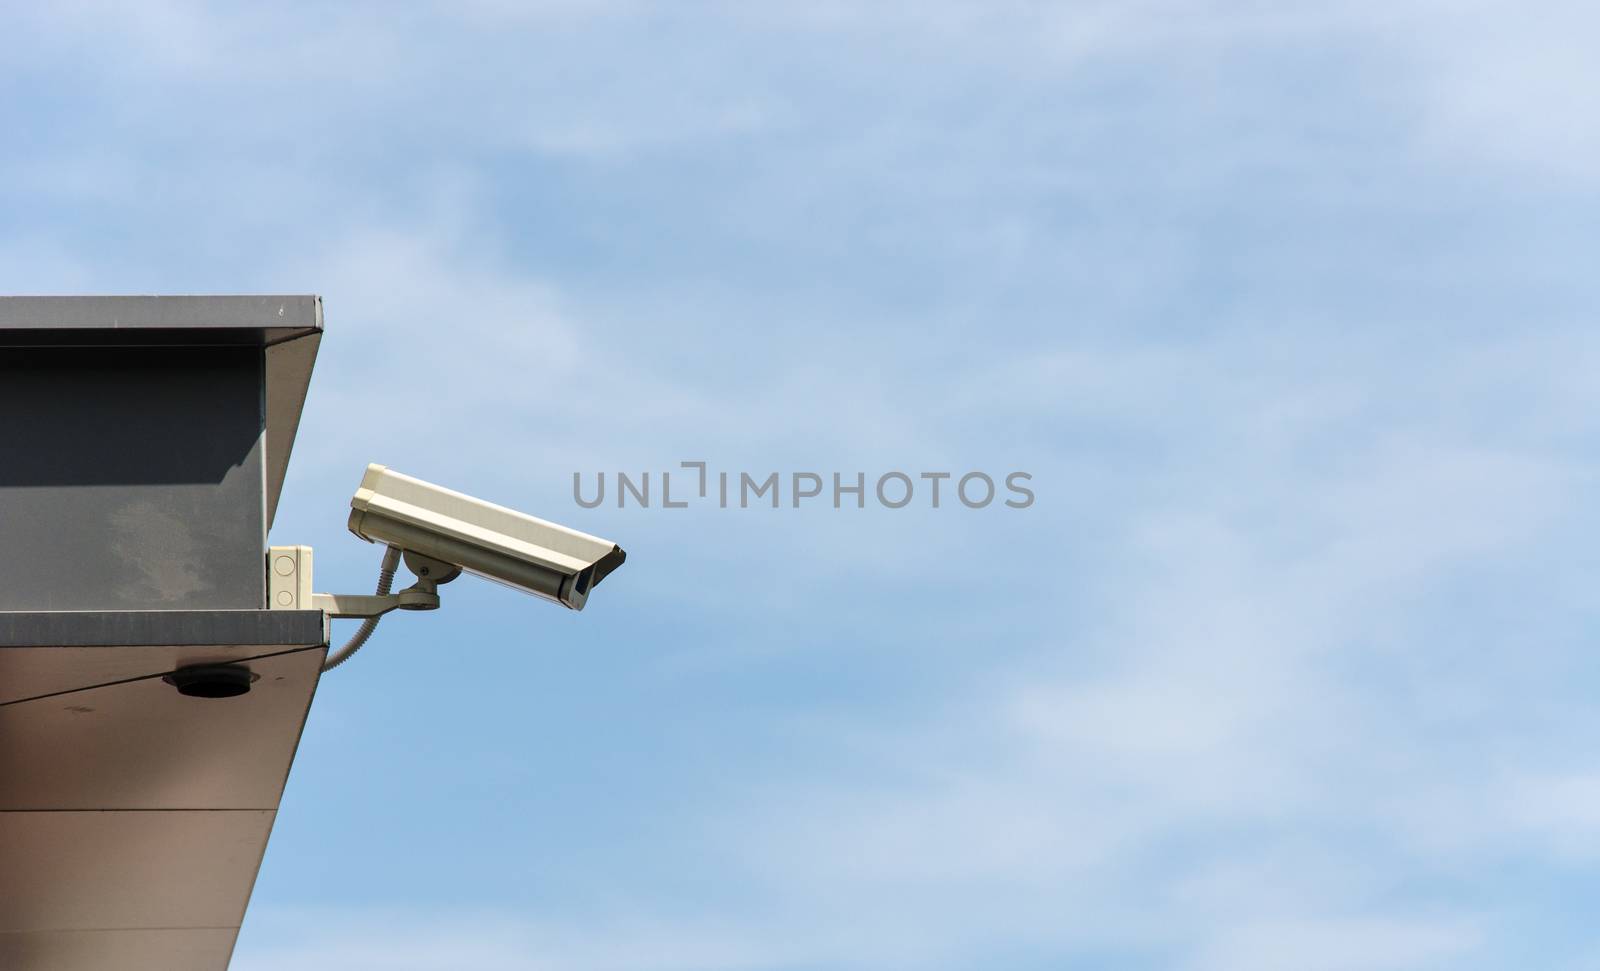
x: 1286, y: 309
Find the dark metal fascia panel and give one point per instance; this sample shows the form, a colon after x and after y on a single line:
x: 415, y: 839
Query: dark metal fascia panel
x: 134, y: 628
x: 288, y: 327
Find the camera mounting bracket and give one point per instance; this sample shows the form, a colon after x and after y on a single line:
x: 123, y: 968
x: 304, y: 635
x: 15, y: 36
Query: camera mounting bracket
x: 422, y: 595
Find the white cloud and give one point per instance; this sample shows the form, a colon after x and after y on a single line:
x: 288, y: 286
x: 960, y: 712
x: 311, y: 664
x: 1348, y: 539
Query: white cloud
x: 1558, y: 812
x: 366, y: 940
x: 1511, y: 83
x: 1217, y: 706
x: 1363, y: 944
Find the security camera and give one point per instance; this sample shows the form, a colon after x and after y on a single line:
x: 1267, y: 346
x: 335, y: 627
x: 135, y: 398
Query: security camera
x: 500, y: 544
x: 440, y: 533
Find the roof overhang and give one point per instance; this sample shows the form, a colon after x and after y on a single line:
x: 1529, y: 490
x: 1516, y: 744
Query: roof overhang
x: 133, y: 819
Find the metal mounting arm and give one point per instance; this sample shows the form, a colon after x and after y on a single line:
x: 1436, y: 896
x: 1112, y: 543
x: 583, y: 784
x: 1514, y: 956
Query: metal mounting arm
x: 422, y: 595
x: 340, y: 605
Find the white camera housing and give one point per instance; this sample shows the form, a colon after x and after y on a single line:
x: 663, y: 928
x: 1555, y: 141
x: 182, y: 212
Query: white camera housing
x: 496, y: 543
